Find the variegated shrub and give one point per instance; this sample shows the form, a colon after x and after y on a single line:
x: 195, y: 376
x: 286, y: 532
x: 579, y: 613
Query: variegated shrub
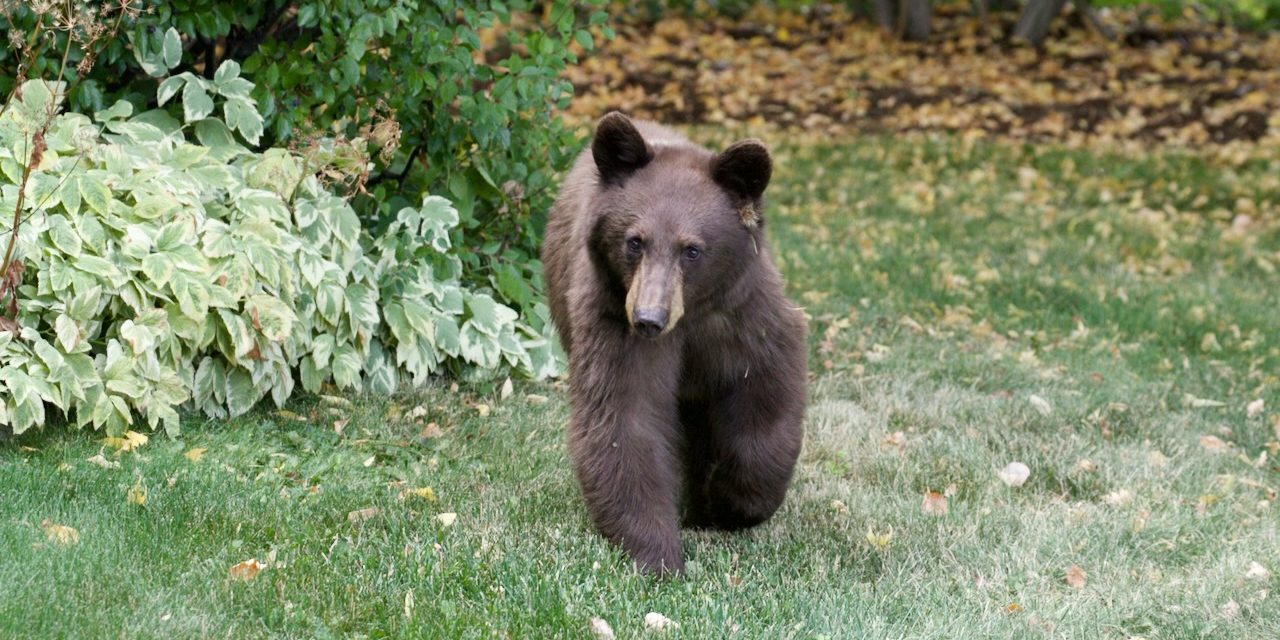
x: 166, y: 265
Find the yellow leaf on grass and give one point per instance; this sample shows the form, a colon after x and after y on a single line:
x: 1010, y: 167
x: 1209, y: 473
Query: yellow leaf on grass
x: 246, y: 571
x: 880, y: 540
x: 137, y: 494
x: 447, y: 519
x: 131, y: 441
x: 423, y: 493
x: 195, y: 454
x: 60, y: 534
x: 360, y: 515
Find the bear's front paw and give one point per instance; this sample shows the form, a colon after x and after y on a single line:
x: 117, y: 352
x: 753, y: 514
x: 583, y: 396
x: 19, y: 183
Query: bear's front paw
x: 660, y: 557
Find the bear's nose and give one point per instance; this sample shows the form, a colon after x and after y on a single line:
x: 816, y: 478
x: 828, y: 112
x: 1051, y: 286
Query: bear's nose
x: 650, y: 322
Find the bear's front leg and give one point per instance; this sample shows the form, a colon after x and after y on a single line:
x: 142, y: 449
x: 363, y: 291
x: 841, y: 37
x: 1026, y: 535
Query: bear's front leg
x: 622, y: 442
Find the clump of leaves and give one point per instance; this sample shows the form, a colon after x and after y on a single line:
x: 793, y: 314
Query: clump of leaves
x: 165, y: 263
x: 455, y: 98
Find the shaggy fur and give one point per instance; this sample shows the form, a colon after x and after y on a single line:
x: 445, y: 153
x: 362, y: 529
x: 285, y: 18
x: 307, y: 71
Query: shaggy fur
x: 687, y: 362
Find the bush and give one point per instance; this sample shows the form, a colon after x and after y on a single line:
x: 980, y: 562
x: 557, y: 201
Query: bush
x: 453, y: 97
x: 166, y: 263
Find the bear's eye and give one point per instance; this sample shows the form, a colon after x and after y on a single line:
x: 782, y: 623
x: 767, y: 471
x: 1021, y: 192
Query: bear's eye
x: 692, y: 253
x: 634, y: 245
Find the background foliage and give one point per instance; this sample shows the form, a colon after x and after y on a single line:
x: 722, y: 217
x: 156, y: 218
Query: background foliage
x: 165, y: 262
x: 451, y: 97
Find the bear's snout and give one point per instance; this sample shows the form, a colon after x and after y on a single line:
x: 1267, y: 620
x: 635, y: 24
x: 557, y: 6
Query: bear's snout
x: 650, y: 322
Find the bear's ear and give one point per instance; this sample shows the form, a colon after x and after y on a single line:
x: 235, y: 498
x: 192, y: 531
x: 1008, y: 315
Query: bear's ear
x: 618, y: 148
x: 743, y: 169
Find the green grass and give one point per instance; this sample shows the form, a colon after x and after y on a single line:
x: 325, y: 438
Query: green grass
x: 945, y: 286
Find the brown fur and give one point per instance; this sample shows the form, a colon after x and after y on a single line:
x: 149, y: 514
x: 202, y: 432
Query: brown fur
x: 687, y: 372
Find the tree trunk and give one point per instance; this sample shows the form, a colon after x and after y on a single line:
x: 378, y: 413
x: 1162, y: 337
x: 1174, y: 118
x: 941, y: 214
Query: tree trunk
x: 1034, y: 23
x: 915, y: 19
x: 882, y: 11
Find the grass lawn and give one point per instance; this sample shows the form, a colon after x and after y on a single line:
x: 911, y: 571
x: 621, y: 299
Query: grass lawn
x: 1106, y: 321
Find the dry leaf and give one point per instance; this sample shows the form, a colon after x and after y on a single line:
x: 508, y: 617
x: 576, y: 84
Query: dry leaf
x: 1231, y: 610
x: 60, y: 534
x: 1041, y: 405
x: 1086, y: 465
x: 1257, y: 572
x: 195, y: 454
x: 1255, y: 408
x: 431, y: 430
x: 483, y: 410
x: 415, y: 413
x: 601, y: 629
x: 103, y: 462
x: 654, y: 621
x: 535, y: 399
x: 245, y: 571
x: 1015, y: 474
x: 1201, y: 403
x: 895, y: 440
x: 339, y: 425
x: 408, y: 604
x: 447, y: 519
x: 1214, y: 444
x: 839, y: 507
x: 360, y: 515
x: 507, y: 389
x: 934, y: 504
x: 1118, y: 498
x: 1012, y: 608
x: 1075, y: 577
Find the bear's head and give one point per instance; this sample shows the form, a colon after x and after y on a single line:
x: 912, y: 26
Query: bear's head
x: 677, y: 226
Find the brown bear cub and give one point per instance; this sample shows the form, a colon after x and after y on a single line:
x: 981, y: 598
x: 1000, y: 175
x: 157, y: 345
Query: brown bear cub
x: 686, y: 360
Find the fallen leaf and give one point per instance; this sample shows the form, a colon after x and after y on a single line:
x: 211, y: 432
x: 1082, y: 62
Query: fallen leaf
x: 447, y: 519
x: 1075, y: 577
x: 195, y: 454
x: 895, y: 440
x: 103, y: 462
x: 1201, y: 403
x: 1231, y: 610
x: 1041, y: 405
x: 1118, y: 498
x: 368, y: 462
x: 934, y: 504
x: 654, y: 621
x: 535, y: 399
x: 130, y: 442
x: 1012, y: 607
x: 137, y: 494
x: 60, y: 534
x: 245, y: 571
x: 431, y: 430
x: 339, y: 425
x: 1257, y: 572
x: 1015, y: 474
x: 507, y: 389
x: 424, y: 493
x: 1214, y: 444
x: 880, y: 541
x: 408, y: 604
x: 1255, y: 408
x: 416, y: 412
x: 360, y: 515
x: 601, y: 629
x: 839, y: 507
x: 1086, y: 465
x: 483, y: 410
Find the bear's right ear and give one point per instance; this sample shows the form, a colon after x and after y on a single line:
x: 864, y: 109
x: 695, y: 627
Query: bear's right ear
x: 618, y: 148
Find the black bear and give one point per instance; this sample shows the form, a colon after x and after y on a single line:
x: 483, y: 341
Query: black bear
x: 686, y: 360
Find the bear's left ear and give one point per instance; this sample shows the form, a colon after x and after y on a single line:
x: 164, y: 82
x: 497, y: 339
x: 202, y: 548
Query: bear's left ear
x: 743, y: 169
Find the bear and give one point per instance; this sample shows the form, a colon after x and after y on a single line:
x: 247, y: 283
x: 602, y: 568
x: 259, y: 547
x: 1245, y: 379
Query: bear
x: 687, y: 363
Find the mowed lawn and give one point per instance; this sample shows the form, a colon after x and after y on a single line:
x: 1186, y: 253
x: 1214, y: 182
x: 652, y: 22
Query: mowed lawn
x: 1111, y: 322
